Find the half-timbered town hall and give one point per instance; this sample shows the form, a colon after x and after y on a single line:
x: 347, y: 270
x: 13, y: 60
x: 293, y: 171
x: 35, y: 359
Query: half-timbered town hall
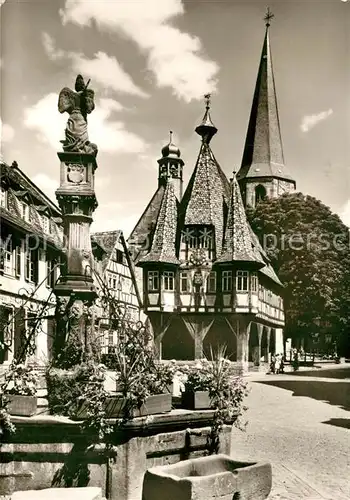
x: 207, y: 282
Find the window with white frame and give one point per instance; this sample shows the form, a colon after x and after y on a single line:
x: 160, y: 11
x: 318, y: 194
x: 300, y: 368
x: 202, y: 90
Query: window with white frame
x: 184, y: 282
x: 242, y: 281
x: 18, y: 258
x: 211, y: 282
x: 51, y: 270
x: 24, y: 210
x: 254, y: 282
x: 153, y: 281
x: 7, y: 264
x: 168, y: 277
x: 226, y: 281
x: 31, y: 265
x: 3, y: 197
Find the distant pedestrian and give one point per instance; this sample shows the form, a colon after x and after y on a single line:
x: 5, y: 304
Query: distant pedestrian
x: 273, y: 364
x: 295, y: 360
x: 282, y: 364
x: 278, y: 363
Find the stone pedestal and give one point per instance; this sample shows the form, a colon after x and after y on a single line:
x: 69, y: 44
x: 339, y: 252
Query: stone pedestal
x: 75, y: 289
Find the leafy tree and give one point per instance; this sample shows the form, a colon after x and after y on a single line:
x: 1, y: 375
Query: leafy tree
x: 310, y: 250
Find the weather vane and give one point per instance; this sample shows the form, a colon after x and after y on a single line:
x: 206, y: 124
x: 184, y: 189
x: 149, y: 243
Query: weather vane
x: 268, y: 17
x: 207, y: 100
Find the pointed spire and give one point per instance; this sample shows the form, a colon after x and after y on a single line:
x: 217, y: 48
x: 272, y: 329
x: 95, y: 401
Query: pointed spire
x: 164, y: 236
x: 263, y: 151
x: 238, y: 243
x: 207, y: 128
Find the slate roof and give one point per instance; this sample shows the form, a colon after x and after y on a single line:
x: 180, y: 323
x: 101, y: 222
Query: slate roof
x: 14, y: 176
x: 164, y: 238
x: 238, y: 243
x: 143, y: 232
x: 263, y: 151
x: 206, y: 193
x: 106, y: 240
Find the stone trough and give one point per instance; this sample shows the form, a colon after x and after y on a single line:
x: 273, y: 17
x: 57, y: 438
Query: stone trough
x: 208, y: 478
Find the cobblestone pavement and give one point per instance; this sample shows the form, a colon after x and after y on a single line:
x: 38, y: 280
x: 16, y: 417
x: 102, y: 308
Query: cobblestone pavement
x: 307, y: 440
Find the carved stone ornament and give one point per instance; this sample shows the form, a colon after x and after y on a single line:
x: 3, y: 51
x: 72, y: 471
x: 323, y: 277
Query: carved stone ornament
x: 62, y: 305
x: 76, y: 311
x: 75, y: 173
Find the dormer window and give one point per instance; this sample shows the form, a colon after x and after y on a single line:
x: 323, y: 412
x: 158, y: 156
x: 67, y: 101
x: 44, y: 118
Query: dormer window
x: 24, y: 210
x: 242, y: 281
x: 3, y: 197
x: 199, y: 237
x: 153, y: 281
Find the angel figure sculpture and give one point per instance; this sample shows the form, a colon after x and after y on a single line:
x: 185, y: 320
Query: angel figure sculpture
x: 77, y: 104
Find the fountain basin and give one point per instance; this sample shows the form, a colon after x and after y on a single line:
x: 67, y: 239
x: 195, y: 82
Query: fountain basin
x: 208, y: 478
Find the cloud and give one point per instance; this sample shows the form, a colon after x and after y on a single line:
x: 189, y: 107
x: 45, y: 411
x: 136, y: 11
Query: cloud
x: 310, y: 121
x: 107, y: 71
x: 173, y: 56
x: 7, y: 132
x: 109, y: 135
x: 47, y: 184
x: 103, y: 69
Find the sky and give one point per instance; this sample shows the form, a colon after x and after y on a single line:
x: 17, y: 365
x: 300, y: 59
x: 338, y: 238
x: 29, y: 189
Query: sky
x: 150, y: 63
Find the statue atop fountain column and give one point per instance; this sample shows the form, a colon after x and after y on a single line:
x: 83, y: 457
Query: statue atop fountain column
x: 78, y: 104
x: 75, y: 289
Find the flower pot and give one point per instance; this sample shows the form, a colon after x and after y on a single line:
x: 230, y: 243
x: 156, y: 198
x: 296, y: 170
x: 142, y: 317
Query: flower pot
x: 208, y: 478
x: 196, y: 400
x: 157, y: 403
x: 24, y: 406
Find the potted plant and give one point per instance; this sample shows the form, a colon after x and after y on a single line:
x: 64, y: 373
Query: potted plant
x: 21, y: 388
x: 144, y: 388
x: 196, y: 380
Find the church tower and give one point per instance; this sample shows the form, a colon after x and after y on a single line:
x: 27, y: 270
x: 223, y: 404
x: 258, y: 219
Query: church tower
x: 263, y: 172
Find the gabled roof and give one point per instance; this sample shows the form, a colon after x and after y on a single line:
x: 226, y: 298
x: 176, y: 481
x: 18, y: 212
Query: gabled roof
x: 207, y: 190
x: 107, y: 240
x: 144, y: 229
x: 263, y: 151
x: 238, y: 243
x: 13, y: 175
x: 164, y: 238
x: 267, y: 270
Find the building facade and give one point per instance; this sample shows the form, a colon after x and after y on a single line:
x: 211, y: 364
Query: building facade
x: 115, y: 269
x: 206, y: 280
x: 31, y: 246
x: 263, y: 172
x: 32, y: 250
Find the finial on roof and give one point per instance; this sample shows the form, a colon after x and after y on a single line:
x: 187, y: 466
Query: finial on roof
x: 268, y: 17
x: 14, y: 164
x: 207, y: 128
x: 170, y: 149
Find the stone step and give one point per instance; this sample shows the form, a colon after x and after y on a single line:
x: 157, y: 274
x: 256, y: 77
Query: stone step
x: 89, y: 493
